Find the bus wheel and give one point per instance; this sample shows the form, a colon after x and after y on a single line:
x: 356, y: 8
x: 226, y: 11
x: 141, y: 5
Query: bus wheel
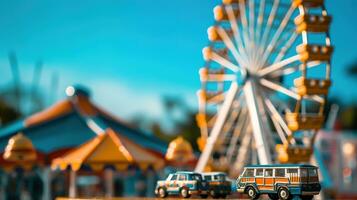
x: 273, y: 196
x: 185, y: 193
x: 283, y: 193
x: 307, y: 197
x: 252, y: 193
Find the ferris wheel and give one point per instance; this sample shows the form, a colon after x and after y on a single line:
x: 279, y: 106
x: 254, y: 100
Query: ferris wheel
x: 264, y: 83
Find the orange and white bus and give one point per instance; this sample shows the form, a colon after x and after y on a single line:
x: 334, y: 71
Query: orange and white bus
x: 279, y: 181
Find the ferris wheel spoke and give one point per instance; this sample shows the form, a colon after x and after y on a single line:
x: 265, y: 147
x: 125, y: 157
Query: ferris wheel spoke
x: 276, y: 115
x: 245, y: 28
x: 290, y: 70
x: 235, y: 29
x: 237, y: 132
x: 279, y: 88
x: 251, y: 18
x: 220, y: 77
x: 224, y: 62
x: 244, y: 148
x: 260, y: 19
x: 268, y: 26
x: 286, y: 47
x: 232, y: 117
x: 217, y: 128
x: 228, y: 42
x: 276, y: 36
x: 278, y: 65
x: 277, y: 126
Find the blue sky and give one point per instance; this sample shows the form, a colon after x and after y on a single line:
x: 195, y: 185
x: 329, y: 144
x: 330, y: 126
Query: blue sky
x: 131, y: 52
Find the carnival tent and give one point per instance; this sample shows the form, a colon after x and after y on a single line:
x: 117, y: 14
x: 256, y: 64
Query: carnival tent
x: 72, y: 122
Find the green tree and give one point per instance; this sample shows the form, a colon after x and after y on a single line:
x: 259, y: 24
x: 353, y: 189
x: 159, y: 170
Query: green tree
x: 7, y: 113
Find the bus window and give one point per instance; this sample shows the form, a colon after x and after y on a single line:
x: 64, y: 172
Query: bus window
x: 279, y: 172
x: 312, y: 172
x: 292, y: 171
x: 249, y: 173
x: 259, y: 172
x: 268, y: 173
x: 303, y: 173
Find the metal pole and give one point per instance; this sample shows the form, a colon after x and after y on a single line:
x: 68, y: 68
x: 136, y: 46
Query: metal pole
x: 109, y: 175
x: 72, y: 184
x: 261, y: 141
x: 47, y: 182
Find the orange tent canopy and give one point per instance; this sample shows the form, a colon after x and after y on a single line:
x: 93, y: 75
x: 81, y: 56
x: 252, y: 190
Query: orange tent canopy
x: 108, y: 148
x: 21, y: 153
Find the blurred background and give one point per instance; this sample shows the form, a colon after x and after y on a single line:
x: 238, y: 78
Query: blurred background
x: 140, y: 60
x: 130, y: 51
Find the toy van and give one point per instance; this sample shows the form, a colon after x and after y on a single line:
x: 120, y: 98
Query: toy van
x: 218, y: 185
x: 182, y: 183
x: 279, y: 181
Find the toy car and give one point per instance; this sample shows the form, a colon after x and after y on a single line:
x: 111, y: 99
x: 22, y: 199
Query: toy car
x: 218, y: 185
x: 280, y: 181
x: 182, y: 183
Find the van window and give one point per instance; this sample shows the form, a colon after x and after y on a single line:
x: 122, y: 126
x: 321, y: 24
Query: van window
x: 182, y: 177
x: 268, y: 173
x: 174, y: 177
x: 208, y: 178
x: 259, y: 172
x: 279, y: 172
x: 249, y: 173
x: 219, y: 177
x: 196, y: 177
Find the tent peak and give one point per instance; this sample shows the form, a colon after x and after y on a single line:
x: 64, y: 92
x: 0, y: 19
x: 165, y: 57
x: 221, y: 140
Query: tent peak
x: 78, y: 90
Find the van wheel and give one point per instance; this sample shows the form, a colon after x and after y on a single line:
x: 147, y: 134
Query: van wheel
x: 185, y: 193
x: 223, y: 196
x: 283, y: 193
x: 252, y: 193
x: 307, y: 197
x: 273, y: 196
x: 204, y: 196
x: 162, y: 192
x: 213, y: 194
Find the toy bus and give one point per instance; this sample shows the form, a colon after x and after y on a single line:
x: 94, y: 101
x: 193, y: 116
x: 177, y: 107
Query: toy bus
x: 279, y: 181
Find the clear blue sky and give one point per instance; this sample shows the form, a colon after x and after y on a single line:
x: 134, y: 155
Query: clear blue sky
x: 130, y: 52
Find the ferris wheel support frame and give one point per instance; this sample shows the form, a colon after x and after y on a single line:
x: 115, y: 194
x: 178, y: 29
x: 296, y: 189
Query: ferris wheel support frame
x: 261, y: 141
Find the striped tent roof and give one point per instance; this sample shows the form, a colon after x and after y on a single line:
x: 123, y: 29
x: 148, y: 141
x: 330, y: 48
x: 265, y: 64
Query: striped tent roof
x: 72, y: 122
x: 108, y: 149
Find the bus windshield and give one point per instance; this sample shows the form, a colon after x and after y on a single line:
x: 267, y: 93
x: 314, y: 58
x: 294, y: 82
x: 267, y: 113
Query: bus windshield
x: 312, y: 172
